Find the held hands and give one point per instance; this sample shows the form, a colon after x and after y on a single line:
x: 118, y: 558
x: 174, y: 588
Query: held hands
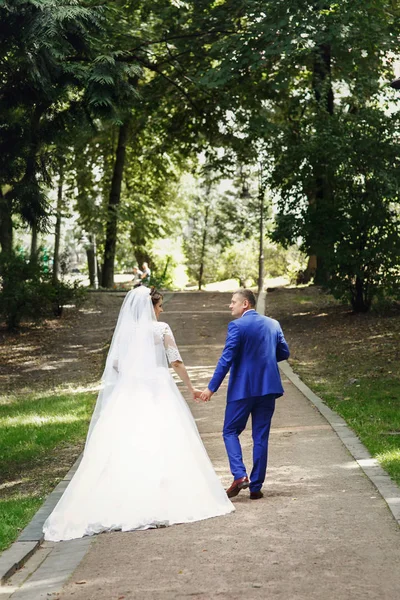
x: 205, y: 396
x: 196, y: 395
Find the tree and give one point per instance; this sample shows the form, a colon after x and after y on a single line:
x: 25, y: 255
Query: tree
x: 107, y: 279
x: 220, y: 218
x: 365, y: 259
x: 201, y: 235
x: 296, y: 76
x: 38, y: 82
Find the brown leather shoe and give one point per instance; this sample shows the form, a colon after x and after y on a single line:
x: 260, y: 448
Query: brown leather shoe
x: 239, y: 484
x: 256, y: 495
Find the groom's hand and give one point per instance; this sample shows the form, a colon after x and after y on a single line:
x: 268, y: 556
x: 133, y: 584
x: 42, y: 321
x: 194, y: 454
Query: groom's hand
x: 206, y: 395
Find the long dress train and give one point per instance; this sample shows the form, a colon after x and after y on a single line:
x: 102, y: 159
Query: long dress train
x: 144, y: 464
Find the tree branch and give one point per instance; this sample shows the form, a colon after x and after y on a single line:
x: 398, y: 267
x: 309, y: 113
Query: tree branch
x: 154, y: 67
x: 180, y: 37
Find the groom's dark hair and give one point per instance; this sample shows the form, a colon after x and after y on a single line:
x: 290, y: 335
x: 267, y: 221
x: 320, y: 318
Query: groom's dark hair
x: 247, y: 295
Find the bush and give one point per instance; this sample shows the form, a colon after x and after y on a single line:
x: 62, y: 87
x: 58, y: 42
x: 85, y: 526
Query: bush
x: 240, y: 261
x: 20, y: 289
x: 161, y: 278
x: 364, y: 265
x: 27, y: 291
x: 62, y: 293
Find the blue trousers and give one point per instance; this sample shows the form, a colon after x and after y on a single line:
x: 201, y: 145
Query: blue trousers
x: 261, y: 409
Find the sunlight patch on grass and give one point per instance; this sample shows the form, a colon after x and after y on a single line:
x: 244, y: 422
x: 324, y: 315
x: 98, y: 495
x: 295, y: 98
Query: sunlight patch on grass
x: 302, y: 300
x: 11, y: 484
x: 390, y: 461
x: 59, y: 390
x: 95, y: 387
x: 37, y: 420
x: 31, y: 427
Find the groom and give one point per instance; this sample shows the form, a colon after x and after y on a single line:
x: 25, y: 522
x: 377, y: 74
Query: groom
x: 253, y: 348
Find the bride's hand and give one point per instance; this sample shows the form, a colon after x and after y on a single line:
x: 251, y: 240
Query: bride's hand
x: 196, y: 395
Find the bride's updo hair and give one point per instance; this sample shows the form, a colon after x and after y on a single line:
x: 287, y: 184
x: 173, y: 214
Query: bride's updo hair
x: 155, y: 296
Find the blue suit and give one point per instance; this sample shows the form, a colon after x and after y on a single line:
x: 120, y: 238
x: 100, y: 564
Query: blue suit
x: 254, y: 346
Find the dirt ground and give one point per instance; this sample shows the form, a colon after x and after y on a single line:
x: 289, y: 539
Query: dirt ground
x: 328, y: 340
x: 59, y: 352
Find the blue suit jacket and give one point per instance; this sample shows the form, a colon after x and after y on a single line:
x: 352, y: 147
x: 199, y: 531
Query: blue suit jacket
x: 254, y: 346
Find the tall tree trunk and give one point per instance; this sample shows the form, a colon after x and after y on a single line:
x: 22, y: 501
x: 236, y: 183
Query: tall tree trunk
x: 311, y: 269
x: 107, y: 280
x: 34, y: 241
x: 99, y: 268
x: 165, y: 272
x: 6, y: 225
x: 138, y: 241
x: 203, y: 248
x: 360, y: 300
x: 57, y: 235
x: 261, y: 198
x: 91, y: 260
x: 34, y: 210
x: 323, y: 93
x: 141, y: 256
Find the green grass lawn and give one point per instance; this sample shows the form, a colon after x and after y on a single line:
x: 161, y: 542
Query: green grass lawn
x: 372, y: 409
x: 40, y: 437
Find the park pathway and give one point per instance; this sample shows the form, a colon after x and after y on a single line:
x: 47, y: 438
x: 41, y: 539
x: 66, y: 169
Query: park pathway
x: 321, y: 532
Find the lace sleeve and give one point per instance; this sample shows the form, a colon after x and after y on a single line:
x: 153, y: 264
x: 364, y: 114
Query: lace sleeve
x: 171, y: 349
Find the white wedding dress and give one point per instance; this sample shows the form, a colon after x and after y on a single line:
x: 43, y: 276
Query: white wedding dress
x: 144, y: 464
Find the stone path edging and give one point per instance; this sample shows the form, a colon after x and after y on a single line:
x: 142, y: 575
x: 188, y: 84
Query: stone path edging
x: 31, y: 537
x: 387, y: 488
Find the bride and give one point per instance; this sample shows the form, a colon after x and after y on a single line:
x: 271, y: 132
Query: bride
x: 144, y: 463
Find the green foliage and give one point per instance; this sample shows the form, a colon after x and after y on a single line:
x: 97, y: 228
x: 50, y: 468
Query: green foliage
x: 38, y: 81
x: 59, y: 74
x: 161, y: 276
x: 201, y: 241
x: 310, y: 87
x: 304, y: 89
x: 280, y: 261
x: 364, y: 263
x: 239, y: 261
x: 218, y: 219
x: 61, y: 293
x: 21, y: 287
x: 27, y: 290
